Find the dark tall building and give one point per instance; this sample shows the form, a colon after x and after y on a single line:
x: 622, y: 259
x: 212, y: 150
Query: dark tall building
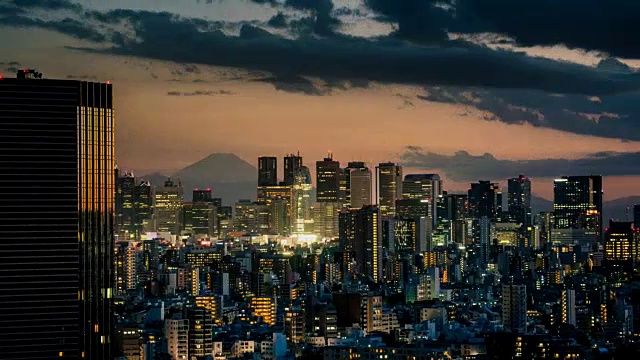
x: 360, y: 232
x: 57, y: 218
x: 519, y: 199
x: 202, y: 195
x: 389, y: 186
x: 578, y: 203
x: 327, y: 180
x: 485, y: 199
x: 126, y: 222
x: 620, y: 245
x: 292, y: 163
x: 144, y: 206
x: 267, y: 171
x: 424, y: 187
x: 636, y: 216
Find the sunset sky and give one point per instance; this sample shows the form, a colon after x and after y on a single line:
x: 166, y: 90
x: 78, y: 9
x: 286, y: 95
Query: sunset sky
x: 365, y: 80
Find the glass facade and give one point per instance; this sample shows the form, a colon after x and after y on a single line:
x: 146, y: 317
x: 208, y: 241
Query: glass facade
x: 56, y: 219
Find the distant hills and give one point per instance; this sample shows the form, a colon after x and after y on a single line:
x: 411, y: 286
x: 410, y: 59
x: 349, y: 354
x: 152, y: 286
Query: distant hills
x: 232, y: 178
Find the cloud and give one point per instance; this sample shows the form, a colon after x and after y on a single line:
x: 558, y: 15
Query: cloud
x: 295, y: 84
x: 200, y: 93
x: 462, y: 166
x: 611, y: 116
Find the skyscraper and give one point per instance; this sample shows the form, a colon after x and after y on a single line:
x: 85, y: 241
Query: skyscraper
x: 57, y: 207
x: 485, y: 199
x: 202, y: 195
x: 578, y: 203
x: 619, y: 245
x: 144, y: 206
x: 389, y: 184
x: 636, y: 216
x: 358, y: 185
x: 168, y: 207
x: 301, y: 215
x: 292, y: 163
x: 125, y: 205
x: 267, y: 171
x: 360, y: 232
x: 426, y: 187
x: 327, y: 180
x: 519, y: 199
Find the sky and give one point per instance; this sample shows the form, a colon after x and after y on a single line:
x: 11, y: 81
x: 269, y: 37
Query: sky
x: 451, y: 88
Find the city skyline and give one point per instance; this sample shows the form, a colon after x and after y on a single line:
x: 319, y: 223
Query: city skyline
x: 160, y: 93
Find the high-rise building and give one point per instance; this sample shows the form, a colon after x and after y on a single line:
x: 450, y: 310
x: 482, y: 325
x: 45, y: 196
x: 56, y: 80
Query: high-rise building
x: 176, y: 332
x: 328, y: 180
x: 514, y: 308
x: 202, y: 195
x: 485, y: 199
x: 57, y: 214
x: 200, y: 332
x: 619, y: 245
x: 267, y: 171
x: 168, y: 207
x: 358, y: 185
x: 292, y: 163
x: 265, y: 308
x: 200, y: 218
x: 360, y: 232
x: 636, y: 216
x: 125, y: 226
x: 277, y: 199
x: 301, y: 215
x: 519, y: 199
x: 425, y: 187
x: 568, y: 301
x: 389, y: 185
x: 144, y: 206
x: 578, y: 204
x: 325, y: 219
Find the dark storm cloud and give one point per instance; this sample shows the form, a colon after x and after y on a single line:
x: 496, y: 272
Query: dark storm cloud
x: 66, y: 26
x: 612, y: 116
x: 200, y: 93
x: 463, y: 166
x: 602, y: 25
x: 295, y: 84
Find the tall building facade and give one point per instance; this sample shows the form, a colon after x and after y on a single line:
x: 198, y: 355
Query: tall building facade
x: 292, y: 163
x: 56, y: 142
x: 301, y: 215
x: 519, y: 199
x: 358, y: 185
x: 619, y: 245
x: 636, y: 216
x: 485, y: 199
x: 328, y: 180
x: 514, y: 308
x: 267, y: 171
x: 425, y: 187
x: 125, y: 226
x: 389, y: 188
x: 168, y: 200
x: 360, y: 233
x: 577, y: 203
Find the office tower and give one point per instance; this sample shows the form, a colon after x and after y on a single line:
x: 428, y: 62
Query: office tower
x: 202, y: 195
x: 265, y: 308
x: 577, y: 204
x: 267, y: 171
x: 636, y: 216
x: 327, y: 180
x: 485, y: 199
x: 389, y: 185
x: 360, y: 233
x: 200, y: 218
x: 325, y: 219
x: 514, y: 308
x: 301, y: 215
x: 277, y: 199
x: 251, y: 217
x: 618, y: 245
x: 544, y: 221
x: 410, y: 235
x: 56, y: 262
x: 168, y: 207
x: 519, y: 199
x: 568, y: 301
x: 292, y: 163
x: 125, y: 226
x: 424, y: 187
x: 453, y: 211
x: 144, y: 207
x: 358, y: 185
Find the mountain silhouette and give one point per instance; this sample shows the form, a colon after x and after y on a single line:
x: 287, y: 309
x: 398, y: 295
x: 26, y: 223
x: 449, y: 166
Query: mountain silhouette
x: 229, y: 177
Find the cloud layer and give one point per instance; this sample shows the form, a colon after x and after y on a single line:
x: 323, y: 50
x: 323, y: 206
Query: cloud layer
x: 463, y: 167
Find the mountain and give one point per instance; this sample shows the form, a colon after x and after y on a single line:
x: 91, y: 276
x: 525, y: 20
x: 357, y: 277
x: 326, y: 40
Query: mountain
x: 539, y: 204
x: 228, y: 176
x: 619, y: 208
